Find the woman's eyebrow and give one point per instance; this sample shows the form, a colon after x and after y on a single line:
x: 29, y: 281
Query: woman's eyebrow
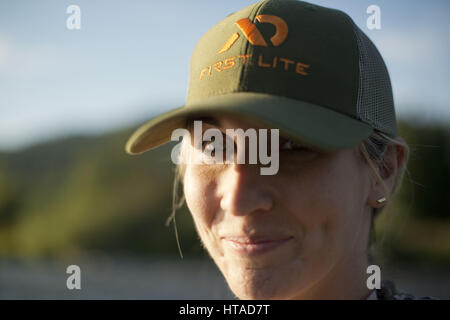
x: 207, y: 120
x: 284, y: 138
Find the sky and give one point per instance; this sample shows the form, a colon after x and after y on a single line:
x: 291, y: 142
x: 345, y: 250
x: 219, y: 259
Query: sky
x: 130, y: 60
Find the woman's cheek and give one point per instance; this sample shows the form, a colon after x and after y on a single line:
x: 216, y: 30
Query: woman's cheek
x: 199, y: 190
x: 200, y: 193
x: 314, y: 205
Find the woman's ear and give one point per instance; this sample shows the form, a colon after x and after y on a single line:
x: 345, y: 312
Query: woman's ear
x: 388, y: 170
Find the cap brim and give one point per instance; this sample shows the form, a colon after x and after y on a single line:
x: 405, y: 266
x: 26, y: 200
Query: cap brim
x: 314, y: 125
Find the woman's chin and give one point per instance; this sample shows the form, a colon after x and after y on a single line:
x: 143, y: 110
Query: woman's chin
x: 252, y: 292
x: 256, y: 284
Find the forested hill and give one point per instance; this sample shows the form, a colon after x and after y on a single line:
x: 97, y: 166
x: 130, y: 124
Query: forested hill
x: 86, y: 193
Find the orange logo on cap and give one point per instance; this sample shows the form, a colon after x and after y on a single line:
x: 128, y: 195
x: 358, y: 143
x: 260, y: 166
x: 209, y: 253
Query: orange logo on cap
x: 253, y: 35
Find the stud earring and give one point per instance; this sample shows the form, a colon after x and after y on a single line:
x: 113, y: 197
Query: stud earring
x: 381, y: 200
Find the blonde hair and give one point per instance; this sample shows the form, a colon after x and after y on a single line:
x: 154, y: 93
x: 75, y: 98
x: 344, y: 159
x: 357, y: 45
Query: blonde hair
x: 374, y: 150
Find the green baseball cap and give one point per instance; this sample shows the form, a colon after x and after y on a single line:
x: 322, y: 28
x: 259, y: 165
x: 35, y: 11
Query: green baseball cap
x: 304, y: 69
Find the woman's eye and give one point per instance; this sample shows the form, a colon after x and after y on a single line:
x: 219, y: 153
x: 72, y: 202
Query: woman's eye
x: 293, y: 146
x: 209, y: 146
x: 212, y: 146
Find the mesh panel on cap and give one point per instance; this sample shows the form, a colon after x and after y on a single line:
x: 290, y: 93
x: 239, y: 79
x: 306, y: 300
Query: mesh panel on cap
x: 375, y: 103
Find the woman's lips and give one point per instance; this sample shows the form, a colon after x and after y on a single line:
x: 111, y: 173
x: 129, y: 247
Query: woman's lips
x: 249, y: 246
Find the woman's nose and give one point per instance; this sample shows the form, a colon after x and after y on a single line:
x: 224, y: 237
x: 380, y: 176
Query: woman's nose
x: 244, y: 191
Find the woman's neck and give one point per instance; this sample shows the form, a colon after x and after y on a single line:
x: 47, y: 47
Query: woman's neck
x: 347, y: 280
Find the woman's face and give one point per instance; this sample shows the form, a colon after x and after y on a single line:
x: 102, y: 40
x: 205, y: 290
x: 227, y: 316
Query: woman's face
x: 300, y: 233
